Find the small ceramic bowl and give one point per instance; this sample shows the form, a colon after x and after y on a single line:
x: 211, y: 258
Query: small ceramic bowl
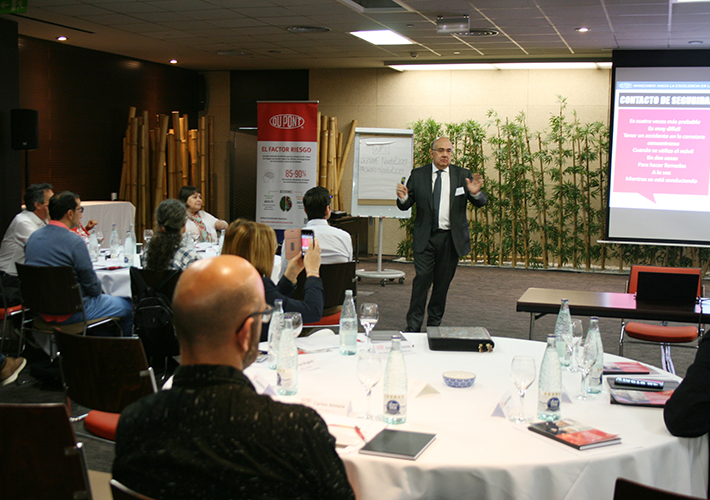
x: 459, y: 379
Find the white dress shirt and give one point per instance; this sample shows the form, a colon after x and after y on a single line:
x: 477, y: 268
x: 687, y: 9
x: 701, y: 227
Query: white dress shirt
x: 12, y: 248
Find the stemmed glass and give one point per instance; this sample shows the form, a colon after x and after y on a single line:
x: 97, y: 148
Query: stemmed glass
x: 585, y: 355
x: 369, y: 314
x: 369, y: 371
x: 100, y: 237
x: 147, y: 236
x: 296, y: 320
x: 195, y: 237
x: 574, y: 340
x: 522, y: 372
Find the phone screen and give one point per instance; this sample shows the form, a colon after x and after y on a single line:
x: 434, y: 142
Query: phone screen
x: 306, y: 241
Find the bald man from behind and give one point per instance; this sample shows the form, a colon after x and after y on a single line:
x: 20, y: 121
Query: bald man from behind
x: 211, y: 436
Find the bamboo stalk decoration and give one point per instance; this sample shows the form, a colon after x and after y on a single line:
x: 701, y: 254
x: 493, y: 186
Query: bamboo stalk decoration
x: 210, y: 159
x: 160, y: 191
x: 184, y: 151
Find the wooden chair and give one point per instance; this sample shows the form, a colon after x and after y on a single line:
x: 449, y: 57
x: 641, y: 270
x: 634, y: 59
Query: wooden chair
x: 630, y: 490
x: 159, y: 343
x: 105, y: 374
x: 660, y: 334
x: 5, y: 313
x: 42, y: 459
x: 122, y: 492
x: 54, y: 291
x: 336, y: 279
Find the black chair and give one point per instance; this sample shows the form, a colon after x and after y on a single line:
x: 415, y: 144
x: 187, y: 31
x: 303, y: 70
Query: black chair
x: 6, y: 312
x: 55, y: 291
x: 336, y: 279
x: 630, y: 490
x: 105, y: 374
x: 159, y: 341
x: 42, y: 459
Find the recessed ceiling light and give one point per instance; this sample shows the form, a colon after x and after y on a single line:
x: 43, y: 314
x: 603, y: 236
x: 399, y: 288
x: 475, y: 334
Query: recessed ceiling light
x: 308, y: 29
x: 457, y: 53
x: 477, y: 32
x: 582, y: 30
x: 173, y: 61
x: 695, y: 42
x: 499, y: 66
x: 382, y: 37
x: 62, y: 38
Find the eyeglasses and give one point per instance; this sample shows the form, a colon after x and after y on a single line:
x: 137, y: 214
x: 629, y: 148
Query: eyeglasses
x: 442, y: 150
x: 79, y: 209
x: 265, y: 316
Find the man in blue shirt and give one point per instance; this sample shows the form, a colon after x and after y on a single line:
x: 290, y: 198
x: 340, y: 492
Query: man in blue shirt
x: 56, y: 245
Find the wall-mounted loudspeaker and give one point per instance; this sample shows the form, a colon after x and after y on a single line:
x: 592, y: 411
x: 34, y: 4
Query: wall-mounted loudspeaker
x: 24, y: 128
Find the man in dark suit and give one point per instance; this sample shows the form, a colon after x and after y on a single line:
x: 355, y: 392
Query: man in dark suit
x: 441, y: 192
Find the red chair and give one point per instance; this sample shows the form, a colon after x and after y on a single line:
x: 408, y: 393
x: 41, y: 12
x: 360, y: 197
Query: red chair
x: 659, y: 334
x: 5, y: 313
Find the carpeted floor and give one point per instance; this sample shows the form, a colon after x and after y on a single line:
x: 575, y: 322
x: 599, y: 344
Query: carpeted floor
x: 478, y: 296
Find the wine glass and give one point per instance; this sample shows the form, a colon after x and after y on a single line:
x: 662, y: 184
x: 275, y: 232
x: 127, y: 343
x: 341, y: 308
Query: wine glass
x: 369, y: 371
x: 369, y: 314
x: 522, y: 372
x: 195, y: 237
x: 572, y: 341
x: 296, y: 320
x: 585, y: 355
x: 100, y: 237
x: 147, y: 235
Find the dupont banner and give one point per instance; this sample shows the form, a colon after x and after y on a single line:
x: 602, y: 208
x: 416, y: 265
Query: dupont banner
x: 287, y: 161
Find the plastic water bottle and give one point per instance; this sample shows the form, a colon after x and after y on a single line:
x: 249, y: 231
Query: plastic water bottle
x: 129, y: 249
x: 595, y: 374
x: 550, y: 385
x: 287, y: 365
x: 395, y: 388
x: 348, y: 326
x: 93, y: 246
x: 114, y: 242
x: 221, y: 242
x: 563, y: 327
x: 275, y: 326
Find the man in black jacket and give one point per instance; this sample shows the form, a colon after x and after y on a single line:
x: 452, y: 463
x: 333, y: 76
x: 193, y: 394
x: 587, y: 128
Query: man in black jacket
x: 441, y: 192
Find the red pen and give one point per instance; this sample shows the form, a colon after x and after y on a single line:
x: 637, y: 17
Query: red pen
x: 359, y: 433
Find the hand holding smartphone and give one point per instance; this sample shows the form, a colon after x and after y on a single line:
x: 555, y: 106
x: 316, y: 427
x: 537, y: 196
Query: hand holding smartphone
x: 306, y: 240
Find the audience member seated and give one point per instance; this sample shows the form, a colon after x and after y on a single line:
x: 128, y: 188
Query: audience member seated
x: 10, y: 368
x: 55, y: 245
x: 199, y: 221
x: 257, y: 243
x: 687, y: 412
x: 167, y: 249
x: 12, y: 248
x: 336, y: 245
x: 211, y: 436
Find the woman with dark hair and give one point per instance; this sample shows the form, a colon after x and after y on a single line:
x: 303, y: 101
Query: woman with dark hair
x: 199, y: 221
x: 167, y: 248
x: 257, y: 243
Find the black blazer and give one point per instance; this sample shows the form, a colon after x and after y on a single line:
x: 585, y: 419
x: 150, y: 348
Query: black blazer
x: 420, y: 192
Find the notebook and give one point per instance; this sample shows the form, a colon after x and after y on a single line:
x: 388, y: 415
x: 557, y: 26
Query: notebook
x: 667, y: 289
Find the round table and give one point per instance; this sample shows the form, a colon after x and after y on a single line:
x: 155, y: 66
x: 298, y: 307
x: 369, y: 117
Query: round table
x: 478, y: 454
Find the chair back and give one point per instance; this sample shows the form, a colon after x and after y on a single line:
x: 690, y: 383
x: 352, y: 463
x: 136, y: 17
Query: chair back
x: 121, y: 492
x: 152, y: 294
x: 42, y: 459
x: 630, y: 490
x: 336, y: 279
x: 636, y: 269
x: 49, y: 290
x: 104, y: 373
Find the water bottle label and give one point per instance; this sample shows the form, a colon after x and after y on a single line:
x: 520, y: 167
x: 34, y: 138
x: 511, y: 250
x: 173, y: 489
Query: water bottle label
x: 285, y: 378
x: 395, y: 405
x: 553, y: 404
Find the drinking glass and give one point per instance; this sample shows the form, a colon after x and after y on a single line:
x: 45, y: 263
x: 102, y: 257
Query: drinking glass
x: 100, y: 237
x: 574, y: 339
x: 369, y: 371
x: 147, y: 235
x: 296, y: 320
x: 195, y: 237
x: 522, y: 372
x: 369, y: 314
x: 585, y: 354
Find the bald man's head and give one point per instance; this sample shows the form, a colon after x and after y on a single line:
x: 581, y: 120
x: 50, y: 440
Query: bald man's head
x: 212, y: 300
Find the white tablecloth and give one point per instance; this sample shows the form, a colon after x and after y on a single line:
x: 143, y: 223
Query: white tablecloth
x: 477, y: 455
x: 107, y: 213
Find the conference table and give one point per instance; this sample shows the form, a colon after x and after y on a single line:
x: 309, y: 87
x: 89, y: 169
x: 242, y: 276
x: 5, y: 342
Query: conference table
x: 478, y: 453
x: 541, y: 301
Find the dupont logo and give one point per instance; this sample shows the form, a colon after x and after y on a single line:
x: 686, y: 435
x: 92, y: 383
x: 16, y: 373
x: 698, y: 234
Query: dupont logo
x: 286, y: 121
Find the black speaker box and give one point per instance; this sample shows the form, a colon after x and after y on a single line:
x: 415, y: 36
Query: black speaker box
x: 24, y: 128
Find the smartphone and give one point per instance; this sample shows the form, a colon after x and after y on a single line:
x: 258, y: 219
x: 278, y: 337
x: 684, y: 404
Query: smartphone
x: 291, y: 244
x: 306, y: 239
